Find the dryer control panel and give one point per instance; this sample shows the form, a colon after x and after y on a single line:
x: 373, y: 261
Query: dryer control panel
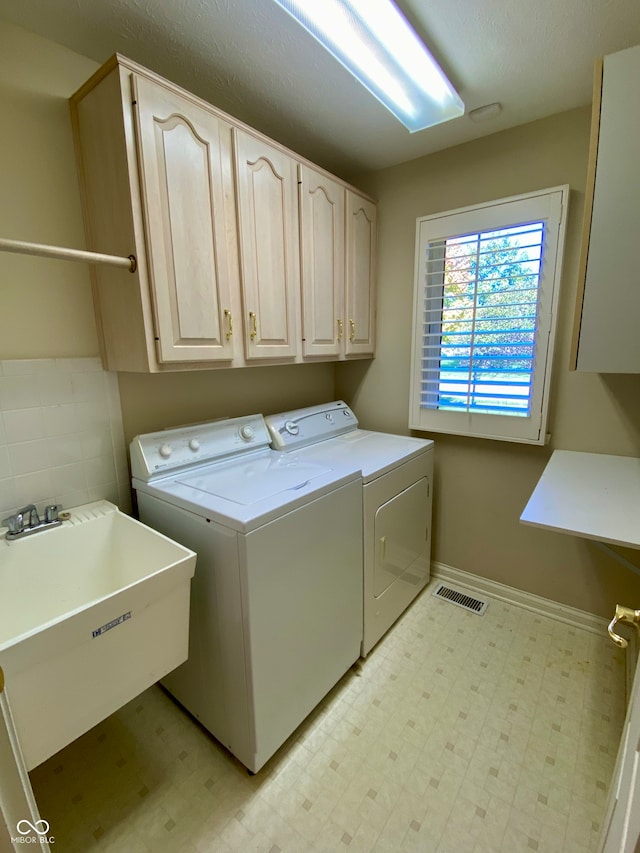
x: 301, y: 427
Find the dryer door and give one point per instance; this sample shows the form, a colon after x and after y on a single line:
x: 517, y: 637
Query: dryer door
x: 401, y: 539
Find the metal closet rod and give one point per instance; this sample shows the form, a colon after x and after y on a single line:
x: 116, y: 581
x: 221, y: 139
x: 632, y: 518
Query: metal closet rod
x: 45, y: 251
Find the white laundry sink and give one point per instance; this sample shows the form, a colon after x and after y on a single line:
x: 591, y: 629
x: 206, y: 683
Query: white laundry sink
x: 91, y: 613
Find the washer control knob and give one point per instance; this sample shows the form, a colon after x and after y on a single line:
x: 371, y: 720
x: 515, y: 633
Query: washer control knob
x: 292, y: 427
x: 246, y: 432
x: 346, y: 413
x: 165, y: 451
x: 194, y: 444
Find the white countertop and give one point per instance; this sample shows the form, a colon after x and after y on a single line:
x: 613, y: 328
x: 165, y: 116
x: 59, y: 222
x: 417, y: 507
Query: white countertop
x: 590, y: 495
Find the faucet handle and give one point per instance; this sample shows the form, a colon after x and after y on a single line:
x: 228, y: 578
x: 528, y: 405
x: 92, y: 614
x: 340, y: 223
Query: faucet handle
x: 51, y: 513
x: 15, y: 522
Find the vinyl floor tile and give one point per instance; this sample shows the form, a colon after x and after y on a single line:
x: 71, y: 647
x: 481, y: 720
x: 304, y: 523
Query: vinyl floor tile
x: 458, y: 734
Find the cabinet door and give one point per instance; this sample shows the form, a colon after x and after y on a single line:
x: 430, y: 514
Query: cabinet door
x: 185, y: 166
x: 360, y: 275
x: 267, y: 183
x: 322, y: 262
x: 608, y: 316
x: 621, y: 825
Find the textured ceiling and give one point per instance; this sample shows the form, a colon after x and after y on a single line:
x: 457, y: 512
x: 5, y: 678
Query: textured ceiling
x: 253, y: 61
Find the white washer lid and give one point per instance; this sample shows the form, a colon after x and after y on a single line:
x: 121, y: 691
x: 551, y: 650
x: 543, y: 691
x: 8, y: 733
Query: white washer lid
x: 196, y: 490
x: 255, y: 480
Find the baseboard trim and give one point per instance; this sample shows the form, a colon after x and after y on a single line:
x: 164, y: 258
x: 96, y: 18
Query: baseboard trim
x: 529, y: 601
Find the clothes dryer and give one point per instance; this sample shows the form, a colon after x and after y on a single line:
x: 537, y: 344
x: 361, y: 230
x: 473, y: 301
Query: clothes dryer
x: 397, y: 486
x: 276, y: 604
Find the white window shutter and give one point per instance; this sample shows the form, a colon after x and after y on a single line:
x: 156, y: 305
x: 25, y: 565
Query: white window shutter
x: 486, y: 292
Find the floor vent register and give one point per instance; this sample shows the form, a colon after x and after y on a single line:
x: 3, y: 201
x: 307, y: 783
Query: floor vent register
x: 474, y: 605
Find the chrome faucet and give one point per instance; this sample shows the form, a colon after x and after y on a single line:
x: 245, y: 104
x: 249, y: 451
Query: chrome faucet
x: 27, y: 521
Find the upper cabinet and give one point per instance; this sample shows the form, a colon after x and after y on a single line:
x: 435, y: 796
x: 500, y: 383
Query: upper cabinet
x: 156, y: 172
x: 606, y: 337
x: 269, y: 259
x: 360, y: 275
x: 322, y: 248
x: 338, y: 245
x: 184, y: 158
x: 228, y: 247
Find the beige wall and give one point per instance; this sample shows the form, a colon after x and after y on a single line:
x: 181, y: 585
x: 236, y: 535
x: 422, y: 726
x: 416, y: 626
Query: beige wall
x: 158, y: 401
x: 483, y: 485
x: 46, y: 307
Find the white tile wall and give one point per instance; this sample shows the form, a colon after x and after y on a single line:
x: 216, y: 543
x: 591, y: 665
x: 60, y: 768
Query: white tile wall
x: 61, y: 436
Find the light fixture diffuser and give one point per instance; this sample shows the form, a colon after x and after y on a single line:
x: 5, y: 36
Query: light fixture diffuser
x: 375, y: 43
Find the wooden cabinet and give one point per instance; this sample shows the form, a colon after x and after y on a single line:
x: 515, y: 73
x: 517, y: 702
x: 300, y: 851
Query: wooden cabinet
x: 212, y: 212
x: 184, y: 159
x: 606, y: 337
x: 360, y: 275
x: 338, y: 244
x: 269, y: 259
x: 156, y: 173
x: 322, y: 249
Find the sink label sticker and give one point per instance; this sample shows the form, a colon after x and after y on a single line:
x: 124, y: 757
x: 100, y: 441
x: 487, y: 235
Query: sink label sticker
x: 113, y: 624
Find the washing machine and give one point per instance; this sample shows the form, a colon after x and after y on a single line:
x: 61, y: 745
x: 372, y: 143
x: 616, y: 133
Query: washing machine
x: 397, y: 487
x: 276, y: 604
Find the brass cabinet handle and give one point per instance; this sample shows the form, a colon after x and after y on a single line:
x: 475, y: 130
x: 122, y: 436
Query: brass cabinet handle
x: 623, y: 614
x: 227, y: 314
x: 352, y: 333
x: 339, y: 322
x: 254, y: 325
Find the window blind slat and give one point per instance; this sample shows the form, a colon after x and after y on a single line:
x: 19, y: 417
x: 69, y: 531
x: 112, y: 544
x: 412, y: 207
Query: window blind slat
x: 511, y: 333
x: 472, y: 289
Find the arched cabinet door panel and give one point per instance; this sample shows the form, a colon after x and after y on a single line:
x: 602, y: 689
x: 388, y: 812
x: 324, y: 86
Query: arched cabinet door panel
x: 322, y: 262
x: 360, y: 275
x: 267, y: 196
x: 185, y: 167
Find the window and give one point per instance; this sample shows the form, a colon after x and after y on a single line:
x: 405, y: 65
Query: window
x: 485, y: 300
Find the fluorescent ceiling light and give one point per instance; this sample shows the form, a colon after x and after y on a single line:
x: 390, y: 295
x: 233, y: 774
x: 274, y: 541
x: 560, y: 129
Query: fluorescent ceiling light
x: 373, y: 41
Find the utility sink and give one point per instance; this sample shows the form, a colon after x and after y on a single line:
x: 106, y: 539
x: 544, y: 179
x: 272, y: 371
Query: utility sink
x: 91, y: 614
